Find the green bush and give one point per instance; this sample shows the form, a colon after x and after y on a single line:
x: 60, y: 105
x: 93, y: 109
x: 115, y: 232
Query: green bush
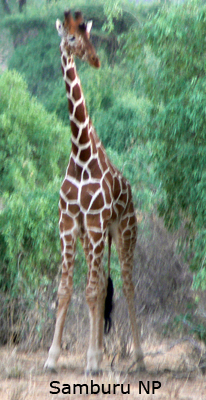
x: 33, y: 160
x: 30, y: 238
x: 35, y: 145
x: 170, y: 57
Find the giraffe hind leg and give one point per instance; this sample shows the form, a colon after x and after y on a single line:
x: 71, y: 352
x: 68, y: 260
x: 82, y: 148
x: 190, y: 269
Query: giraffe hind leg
x: 126, y: 247
x: 137, y: 353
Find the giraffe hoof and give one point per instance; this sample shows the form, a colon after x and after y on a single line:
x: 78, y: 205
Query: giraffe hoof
x: 50, y: 370
x: 141, y: 368
x: 140, y: 365
x: 137, y: 366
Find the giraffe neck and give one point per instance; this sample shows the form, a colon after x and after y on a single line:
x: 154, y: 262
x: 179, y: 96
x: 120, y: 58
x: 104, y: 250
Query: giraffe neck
x: 79, y: 119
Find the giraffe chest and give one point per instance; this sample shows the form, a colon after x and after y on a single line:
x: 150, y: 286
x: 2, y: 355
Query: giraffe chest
x: 92, y: 189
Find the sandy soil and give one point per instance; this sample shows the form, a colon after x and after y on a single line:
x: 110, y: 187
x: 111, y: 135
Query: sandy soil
x: 22, y: 378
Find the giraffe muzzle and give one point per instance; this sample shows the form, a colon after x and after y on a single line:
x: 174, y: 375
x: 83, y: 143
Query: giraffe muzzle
x: 94, y: 61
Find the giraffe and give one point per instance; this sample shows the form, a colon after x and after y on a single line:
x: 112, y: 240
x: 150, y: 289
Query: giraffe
x: 95, y: 203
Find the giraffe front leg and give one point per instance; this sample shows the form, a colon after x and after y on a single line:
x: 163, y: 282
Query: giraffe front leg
x: 68, y: 243
x: 55, y: 348
x: 95, y: 296
x: 96, y: 315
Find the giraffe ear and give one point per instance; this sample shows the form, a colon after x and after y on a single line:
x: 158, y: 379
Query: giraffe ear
x: 89, y: 27
x: 59, y: 27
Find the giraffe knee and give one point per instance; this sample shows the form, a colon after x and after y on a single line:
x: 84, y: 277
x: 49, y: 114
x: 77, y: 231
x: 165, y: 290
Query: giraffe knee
x: 128, y: 287
x: 95, y: 296
x: 65, y: 291
x: 96, y: 286
x: 91, y: 295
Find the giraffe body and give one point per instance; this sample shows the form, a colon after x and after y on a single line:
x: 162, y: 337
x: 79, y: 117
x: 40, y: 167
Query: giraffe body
x: 95, y: 201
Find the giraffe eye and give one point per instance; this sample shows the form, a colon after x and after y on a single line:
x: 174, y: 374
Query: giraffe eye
x: 71, y: 38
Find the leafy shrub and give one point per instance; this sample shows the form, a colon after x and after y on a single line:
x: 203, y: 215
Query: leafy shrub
x: 32, y: 141
x: 29, y: 229
x: 33, y: 158
x: 169, y: 54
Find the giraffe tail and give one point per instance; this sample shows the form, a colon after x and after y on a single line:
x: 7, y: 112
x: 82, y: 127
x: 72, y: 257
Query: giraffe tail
x: 110, y: 291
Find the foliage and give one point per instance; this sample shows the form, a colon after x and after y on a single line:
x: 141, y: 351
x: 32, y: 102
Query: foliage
x: 33, y: 158
x: 111, y: 10
x: 30, y: 238
x: 195, y: 327
x: 32, y: 141
x: 170, y: 55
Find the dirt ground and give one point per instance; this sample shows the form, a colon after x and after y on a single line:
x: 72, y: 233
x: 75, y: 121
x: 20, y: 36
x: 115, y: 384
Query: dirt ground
x: 22, y: 377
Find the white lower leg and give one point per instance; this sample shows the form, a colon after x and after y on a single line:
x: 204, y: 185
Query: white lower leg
x: 55, y: 348
x: 138, y: 353
x: 53, y: 356
x: 95, y: 351
x: 94, y: 359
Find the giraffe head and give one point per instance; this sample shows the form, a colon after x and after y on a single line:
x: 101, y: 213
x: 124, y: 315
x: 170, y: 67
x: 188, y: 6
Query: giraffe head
x: 75, y: 34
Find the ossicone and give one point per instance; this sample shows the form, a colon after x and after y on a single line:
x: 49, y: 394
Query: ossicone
x: 67, y: 14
